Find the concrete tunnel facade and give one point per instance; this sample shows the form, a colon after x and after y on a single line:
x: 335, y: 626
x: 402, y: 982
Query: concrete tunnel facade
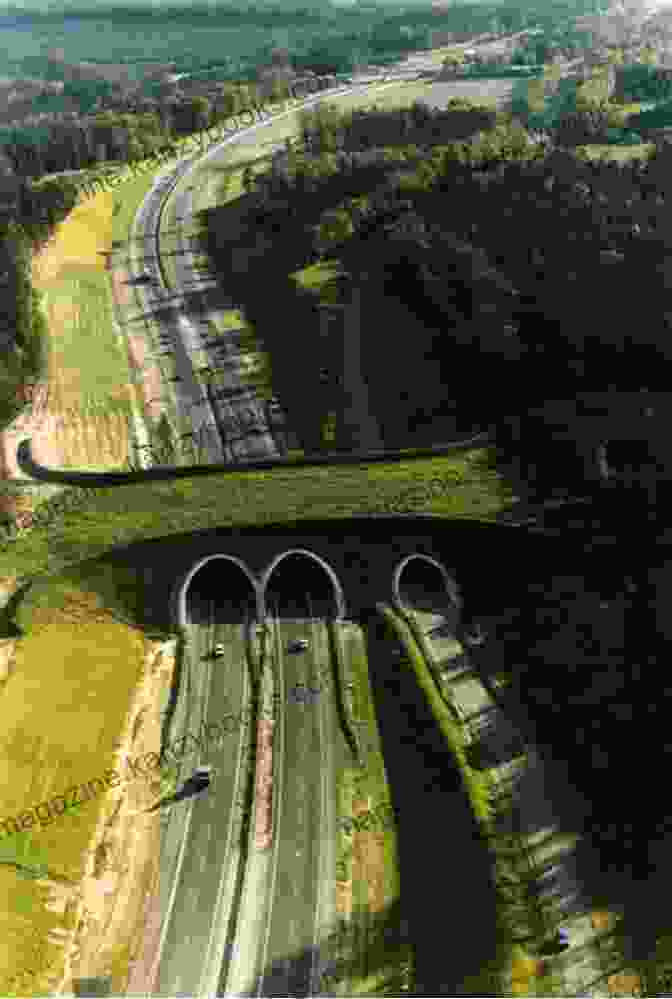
x: 296, y: 574
x: 227, y: 571
x: 287, y: 579
x: 421, y: 582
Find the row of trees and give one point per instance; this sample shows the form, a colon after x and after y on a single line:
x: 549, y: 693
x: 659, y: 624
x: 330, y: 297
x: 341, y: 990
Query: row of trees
x: 132, y: 131
x: 29, y: 215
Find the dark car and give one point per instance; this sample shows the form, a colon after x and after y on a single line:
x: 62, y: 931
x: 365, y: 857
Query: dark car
x: 298, y: 645
x: 303, y: 695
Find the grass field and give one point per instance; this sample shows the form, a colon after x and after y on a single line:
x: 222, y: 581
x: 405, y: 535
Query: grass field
x: 88, y: 371
x: 76, y: 655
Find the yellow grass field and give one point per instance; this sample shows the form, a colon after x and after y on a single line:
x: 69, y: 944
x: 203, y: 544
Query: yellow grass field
x: 64, y: 704
x: 86, y: 422
x: 69, y: 681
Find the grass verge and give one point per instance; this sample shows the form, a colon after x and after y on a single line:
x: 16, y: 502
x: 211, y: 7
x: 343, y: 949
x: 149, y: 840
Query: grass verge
x: 373, y: 958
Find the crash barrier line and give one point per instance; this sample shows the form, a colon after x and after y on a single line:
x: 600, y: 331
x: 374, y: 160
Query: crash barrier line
x: 112, y: 778
x: 30, y: 467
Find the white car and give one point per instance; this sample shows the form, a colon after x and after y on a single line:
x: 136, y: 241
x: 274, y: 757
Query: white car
x: 218, y: 650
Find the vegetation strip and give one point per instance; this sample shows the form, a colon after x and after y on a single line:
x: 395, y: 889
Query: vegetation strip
x: 30, y: 467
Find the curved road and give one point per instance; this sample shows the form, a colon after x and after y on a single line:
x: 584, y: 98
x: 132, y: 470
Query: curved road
x: 240, y: 411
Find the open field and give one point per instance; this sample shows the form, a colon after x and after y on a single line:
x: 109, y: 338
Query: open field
x: 88, y: 371
x: 497, y: 93
x: 49, y: 745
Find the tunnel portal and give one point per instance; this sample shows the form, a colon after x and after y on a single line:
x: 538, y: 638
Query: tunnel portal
x: 219, y: 588
x: 300, y: 584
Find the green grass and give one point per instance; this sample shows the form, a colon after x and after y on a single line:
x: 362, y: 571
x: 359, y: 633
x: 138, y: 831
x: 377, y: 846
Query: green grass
x: 620, y: 153
x: 369, y: 963
x: 128, y: 197
x: 124, y: 514
x: 85, y: 345
x: 477, y: 784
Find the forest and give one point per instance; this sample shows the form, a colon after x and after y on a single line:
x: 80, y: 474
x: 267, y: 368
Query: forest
x: 494, y: 275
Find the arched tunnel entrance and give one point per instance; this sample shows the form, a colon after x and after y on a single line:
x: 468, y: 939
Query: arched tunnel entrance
x: 300, y: 584
x: 420, y: 583
x: 218, y: 589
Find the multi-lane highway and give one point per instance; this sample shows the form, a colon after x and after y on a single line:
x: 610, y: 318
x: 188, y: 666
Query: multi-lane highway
x: 200, y: 867
x: 288, y: 904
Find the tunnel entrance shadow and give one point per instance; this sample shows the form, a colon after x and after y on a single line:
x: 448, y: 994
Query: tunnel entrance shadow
x: 220, y: 588
x: 299, y: 584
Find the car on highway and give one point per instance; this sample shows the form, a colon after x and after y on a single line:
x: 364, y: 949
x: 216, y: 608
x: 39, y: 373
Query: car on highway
x: 300, y: 694
x: 297, y: 645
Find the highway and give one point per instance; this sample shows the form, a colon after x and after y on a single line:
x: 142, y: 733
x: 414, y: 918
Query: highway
x: 200, y: 868
x: 183, y: 314
x: 288, y: 905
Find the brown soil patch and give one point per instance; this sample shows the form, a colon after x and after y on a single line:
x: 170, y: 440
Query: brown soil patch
x: 137, y: 350
x: 120, y: 287
x: 117, y: 900
x: 344, y: 898
x: 602, y: 920
x: 369, y: 849
x: 263, y: 797
x: 625, y: 985
x: 368, y: 859
x: 150, y: 375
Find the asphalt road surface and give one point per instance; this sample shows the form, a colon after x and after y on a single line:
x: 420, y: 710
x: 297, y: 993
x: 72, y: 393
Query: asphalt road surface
x: 289, y: 904
x: 197, y: 896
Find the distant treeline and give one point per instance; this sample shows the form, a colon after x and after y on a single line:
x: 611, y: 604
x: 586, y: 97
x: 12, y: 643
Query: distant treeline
x: 320, y: 37
x: 140, y: 130
x: 25, y: 226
